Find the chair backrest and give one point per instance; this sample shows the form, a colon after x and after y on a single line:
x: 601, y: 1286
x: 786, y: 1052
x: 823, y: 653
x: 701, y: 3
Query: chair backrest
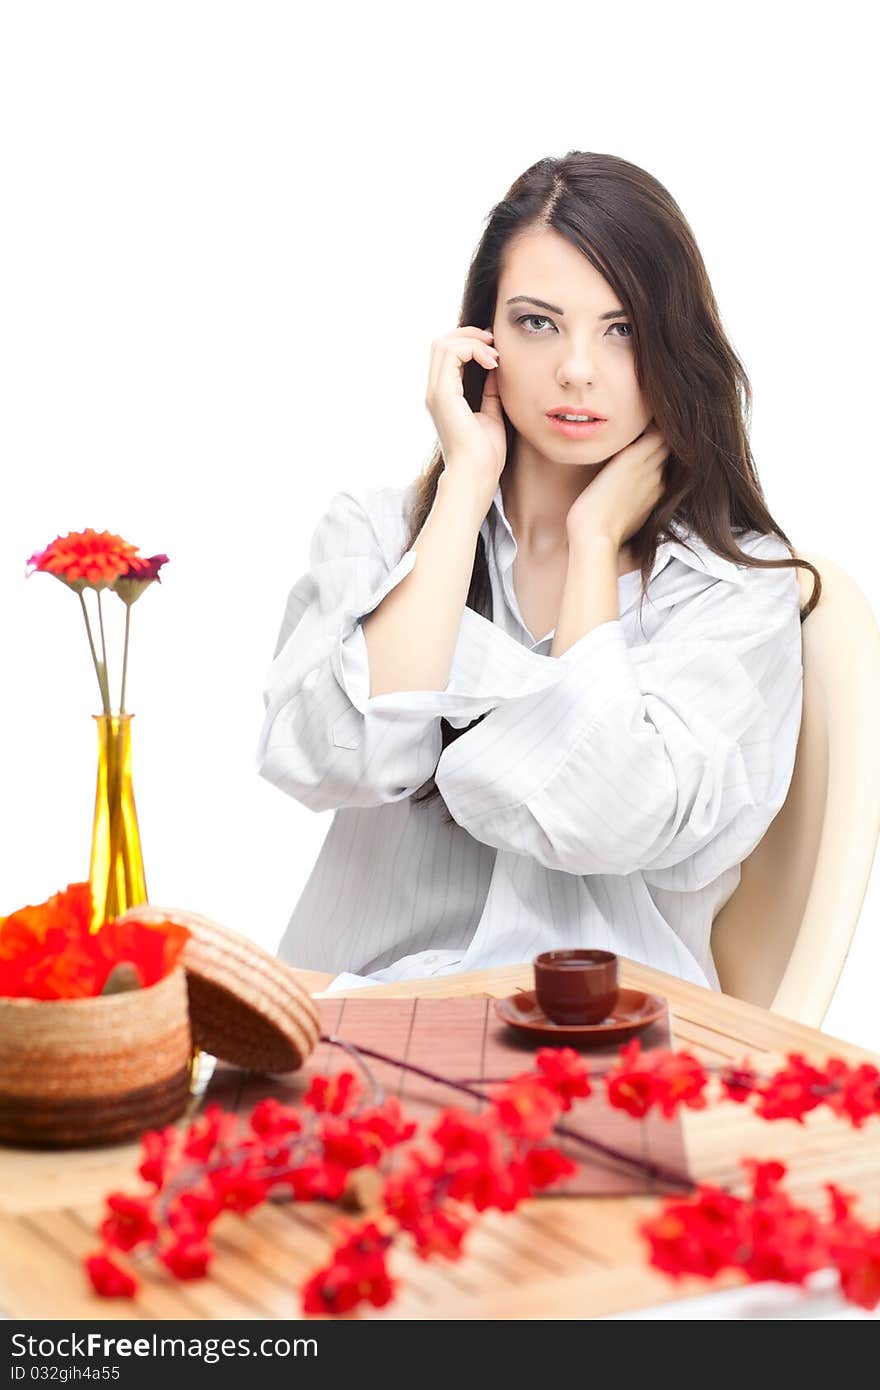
x: 782, y: 937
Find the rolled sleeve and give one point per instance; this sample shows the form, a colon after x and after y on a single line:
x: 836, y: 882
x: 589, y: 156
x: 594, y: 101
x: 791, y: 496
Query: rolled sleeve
x: 318, y: 741
x: 650, y: 758
x: 324, y: 739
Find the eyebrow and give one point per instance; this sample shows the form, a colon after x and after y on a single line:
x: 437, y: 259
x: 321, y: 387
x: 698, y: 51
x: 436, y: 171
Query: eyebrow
x: 555, y: 309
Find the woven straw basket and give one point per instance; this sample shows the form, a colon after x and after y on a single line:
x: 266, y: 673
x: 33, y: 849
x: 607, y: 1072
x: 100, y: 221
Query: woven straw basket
x: 246, y: 1006
x: 75, y: 1072
x: 100, y: 1070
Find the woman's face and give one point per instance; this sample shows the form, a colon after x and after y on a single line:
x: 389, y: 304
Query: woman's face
x: 564, y: 351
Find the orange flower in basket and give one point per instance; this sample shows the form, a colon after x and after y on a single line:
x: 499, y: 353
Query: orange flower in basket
x: 49, y: 952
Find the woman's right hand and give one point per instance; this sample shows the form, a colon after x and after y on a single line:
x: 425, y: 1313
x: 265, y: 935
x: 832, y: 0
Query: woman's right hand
x: 474, y: 445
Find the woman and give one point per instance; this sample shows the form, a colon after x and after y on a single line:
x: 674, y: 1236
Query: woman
x: 552, y: 689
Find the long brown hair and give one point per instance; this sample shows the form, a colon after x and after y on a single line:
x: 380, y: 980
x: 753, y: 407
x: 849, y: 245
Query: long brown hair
x: 629, y: 227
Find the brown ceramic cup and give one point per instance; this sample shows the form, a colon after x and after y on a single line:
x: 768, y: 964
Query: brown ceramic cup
x: 576, y: 986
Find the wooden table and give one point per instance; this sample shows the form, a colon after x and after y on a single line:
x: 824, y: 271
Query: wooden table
x: 576, y: 1258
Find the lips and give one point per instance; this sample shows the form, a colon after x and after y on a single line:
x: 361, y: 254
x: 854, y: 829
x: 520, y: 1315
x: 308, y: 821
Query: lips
x: 574, y: 410
x: 576, y: 429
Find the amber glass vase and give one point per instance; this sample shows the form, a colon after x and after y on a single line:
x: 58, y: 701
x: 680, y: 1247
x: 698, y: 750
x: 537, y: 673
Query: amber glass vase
x: 116, y: 872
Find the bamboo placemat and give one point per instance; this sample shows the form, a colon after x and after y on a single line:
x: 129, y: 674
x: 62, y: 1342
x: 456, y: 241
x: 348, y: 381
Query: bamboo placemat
x: 463, y: 1040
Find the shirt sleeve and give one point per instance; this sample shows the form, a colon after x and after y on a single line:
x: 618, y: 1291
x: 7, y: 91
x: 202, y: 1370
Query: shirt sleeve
x: 670, y: 758
x: 324, y: 740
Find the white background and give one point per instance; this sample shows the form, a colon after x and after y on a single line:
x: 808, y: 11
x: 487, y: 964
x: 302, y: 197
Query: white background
x: 229, y: 234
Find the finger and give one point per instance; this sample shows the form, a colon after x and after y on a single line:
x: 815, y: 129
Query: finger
x: 491, y: 401
x: 450, y: 353
x: 449, y: 356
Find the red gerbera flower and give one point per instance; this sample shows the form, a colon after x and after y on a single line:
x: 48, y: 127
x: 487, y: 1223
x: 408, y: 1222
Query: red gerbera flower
x: 85, y: 559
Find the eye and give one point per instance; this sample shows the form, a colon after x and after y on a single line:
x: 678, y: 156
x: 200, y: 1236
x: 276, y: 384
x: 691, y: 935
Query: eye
x: 525, y: 318
x: 542, y: 318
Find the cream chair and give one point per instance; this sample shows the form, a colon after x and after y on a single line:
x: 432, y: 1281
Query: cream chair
x: 781, y: 939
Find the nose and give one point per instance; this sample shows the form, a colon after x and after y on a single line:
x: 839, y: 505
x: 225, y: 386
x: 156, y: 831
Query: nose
x: 576, y: 368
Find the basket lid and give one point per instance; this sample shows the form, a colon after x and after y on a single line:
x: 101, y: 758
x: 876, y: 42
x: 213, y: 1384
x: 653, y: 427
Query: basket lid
x: 246, y: 1006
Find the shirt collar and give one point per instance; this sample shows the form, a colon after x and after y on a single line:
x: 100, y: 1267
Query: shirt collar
x: 688, y: 547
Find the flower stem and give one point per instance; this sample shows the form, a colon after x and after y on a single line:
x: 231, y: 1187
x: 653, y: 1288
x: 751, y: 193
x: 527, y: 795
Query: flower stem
x: 104, y: 652
x: 105, y: 697
x: 125, y: 659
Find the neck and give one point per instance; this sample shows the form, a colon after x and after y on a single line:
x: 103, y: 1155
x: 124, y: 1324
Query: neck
x: 537, y: 496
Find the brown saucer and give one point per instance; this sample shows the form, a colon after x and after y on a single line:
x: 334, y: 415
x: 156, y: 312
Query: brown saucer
x: 633, y: 1011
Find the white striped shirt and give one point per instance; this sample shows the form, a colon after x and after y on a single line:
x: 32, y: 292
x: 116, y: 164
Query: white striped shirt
x: 608, y: 798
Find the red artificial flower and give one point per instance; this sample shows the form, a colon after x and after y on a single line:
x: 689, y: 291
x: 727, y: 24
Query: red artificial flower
x: 332, y: 1094
x: 238, y: 1188
x: 357, y: 1274
x: 130, y: 1222
x: 386, y: 1123
x: 525, y: 1107
x: 565, y: 1073
x: 628, y: 1087
x: 408, y: 1196
x: 341, y: 1287
x: 346, y: 1148
x: 766, y: 1175
x: 767, y: 1236
x: 439, y: 1231
x: 315, y: 1179
x: 793, y: 1091
x: 855, y: 1091
x: 545, y: 1166
x: 361, y: 1242
x: 192, y: 1213
x: 701, y: 1236
x: 332, y: 1291
x: 156, y: 1146
x: 854, y: 1250
x: 211, y: 1129
x: 109, y: 1279
x: 788, y: 1243
x: 271, y: 1119
x: 858, y: 1267
x: 679, y: 1079
x: 499, y: 1185
x: 187, y: 1258
x: 457, y: 1132
x: 739, y: 1083
x: 85, y: 559
x: 666, y: 1079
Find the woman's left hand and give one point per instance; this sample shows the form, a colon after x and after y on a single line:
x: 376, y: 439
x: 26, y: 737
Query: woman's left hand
x: 623, y: 494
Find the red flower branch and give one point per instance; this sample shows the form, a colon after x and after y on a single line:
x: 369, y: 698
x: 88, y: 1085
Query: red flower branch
x: 474, y: 1163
